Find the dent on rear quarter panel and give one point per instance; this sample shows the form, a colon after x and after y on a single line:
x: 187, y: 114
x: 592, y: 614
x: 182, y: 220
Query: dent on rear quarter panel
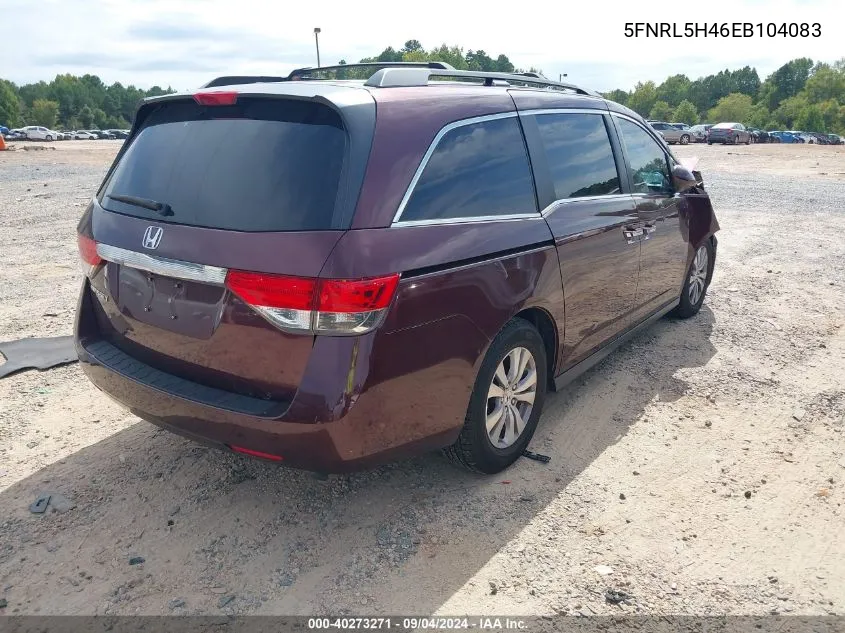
x: 448, y: 307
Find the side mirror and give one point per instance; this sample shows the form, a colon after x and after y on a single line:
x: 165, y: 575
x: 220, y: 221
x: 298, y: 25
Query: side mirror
x: 683, y: 178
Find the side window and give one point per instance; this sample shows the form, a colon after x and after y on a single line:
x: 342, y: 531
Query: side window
x: 476, y: 170
x: 647, y: 160
x: 579, y: 154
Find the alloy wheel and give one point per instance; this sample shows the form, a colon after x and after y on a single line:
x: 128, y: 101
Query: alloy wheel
x: 698, y: 275
x: 510, y: 397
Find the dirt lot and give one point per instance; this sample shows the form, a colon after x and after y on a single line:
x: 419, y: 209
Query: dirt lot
x: 702, y: 463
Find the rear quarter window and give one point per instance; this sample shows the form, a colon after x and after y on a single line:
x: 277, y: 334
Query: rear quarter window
x: 476, y: 170
x: 259, y: 165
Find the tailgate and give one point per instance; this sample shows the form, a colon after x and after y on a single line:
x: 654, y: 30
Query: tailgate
x: 247, y: 184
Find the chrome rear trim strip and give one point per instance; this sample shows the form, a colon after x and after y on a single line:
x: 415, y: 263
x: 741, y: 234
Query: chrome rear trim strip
x: 162, y: 265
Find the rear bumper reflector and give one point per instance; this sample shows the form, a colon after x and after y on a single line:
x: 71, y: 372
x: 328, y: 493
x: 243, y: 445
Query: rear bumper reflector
x: 259, y: 454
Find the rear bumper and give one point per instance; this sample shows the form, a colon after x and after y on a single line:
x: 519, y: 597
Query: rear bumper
x: 383, y: 418
x: 350, y: 443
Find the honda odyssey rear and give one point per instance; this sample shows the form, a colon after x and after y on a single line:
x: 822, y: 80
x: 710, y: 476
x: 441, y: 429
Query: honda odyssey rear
x: 333, y: 274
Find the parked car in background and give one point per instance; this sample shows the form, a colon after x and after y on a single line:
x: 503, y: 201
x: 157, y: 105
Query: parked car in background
x: 39, y: 133
x: 670, y: 133
x: 84, y: 135
x: 122, y: 134
x: 16, y: 134
x: 835, y: 139
x: 821, y: 139
x: 4, y: 130
x: 699, y: 132
x: 393, y: 281
x: 781, y: 136
x: 680, y: 126
x: 102, y: 134
x: 729, y: 133
x: 802, y: 137
x: 758, y: 135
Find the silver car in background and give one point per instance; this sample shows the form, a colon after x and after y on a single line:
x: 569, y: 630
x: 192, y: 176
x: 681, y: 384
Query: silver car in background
x: 670, y: 133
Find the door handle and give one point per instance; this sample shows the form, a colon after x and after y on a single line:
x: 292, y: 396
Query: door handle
x: 631, y: 235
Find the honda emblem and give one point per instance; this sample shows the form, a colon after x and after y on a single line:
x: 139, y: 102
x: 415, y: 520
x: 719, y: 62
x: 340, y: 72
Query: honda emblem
x: 152, y: 237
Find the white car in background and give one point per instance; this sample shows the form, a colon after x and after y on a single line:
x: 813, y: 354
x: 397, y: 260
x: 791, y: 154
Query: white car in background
x: 39, y: 133
x: 84, y: 135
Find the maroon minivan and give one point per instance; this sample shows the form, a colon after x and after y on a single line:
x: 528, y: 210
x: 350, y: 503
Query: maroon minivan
x: 334, y: 273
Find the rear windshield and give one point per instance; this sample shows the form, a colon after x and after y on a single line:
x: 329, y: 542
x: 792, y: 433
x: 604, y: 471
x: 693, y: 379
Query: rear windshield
x: 258, y: 165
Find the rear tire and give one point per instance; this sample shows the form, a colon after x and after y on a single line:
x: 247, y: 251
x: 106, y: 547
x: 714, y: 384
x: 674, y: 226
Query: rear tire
x: 474, y: 448
x: 697, y: 282
x: 684, y: 139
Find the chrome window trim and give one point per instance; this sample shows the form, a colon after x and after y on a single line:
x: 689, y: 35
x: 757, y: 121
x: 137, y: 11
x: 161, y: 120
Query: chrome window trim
x: 598, y: 111
x: 398, y: 223
x: 470, y: 220
x: 562, y: 202
x: 162, y: 265
x: 427, y: 156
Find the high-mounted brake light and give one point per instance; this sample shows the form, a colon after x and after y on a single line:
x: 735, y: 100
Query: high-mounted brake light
x: 216, y: 98
x: 88, y: 253
x: 318, y: 306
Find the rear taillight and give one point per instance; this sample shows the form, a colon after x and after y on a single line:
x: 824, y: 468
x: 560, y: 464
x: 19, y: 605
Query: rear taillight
x: 88, y: 253
x: 319, y: 306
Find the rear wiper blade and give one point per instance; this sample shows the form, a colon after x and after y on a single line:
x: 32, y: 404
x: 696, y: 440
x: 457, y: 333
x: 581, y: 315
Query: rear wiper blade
x: 159, y: 207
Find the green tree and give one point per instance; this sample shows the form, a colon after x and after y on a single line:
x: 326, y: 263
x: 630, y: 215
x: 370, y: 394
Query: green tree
x: 825, y: 83
x: 44, y: 112
x: 810, y: 120
x: 10, y: 105
x: 660, y: 111
x: 674, y: 89
x: 503, y: 64
x: 733, y: 107
x: 619, y: 96
x: 759, y: 116
x: 643, y: 98
x: 787, y: 81
x: 86, y: 117
x: 685, y: 113
x: 411, y: 46
x: 100, y: 119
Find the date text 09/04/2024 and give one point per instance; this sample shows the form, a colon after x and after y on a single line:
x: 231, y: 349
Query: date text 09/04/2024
x: 723, y: 29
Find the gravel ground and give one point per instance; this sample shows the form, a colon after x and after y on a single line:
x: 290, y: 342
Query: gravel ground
x: 698, y: 469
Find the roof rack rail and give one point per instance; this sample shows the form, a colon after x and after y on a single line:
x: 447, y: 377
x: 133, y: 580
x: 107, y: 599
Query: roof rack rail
x: 395, y: 77
x: 244, y: 79
x: 301, y: 73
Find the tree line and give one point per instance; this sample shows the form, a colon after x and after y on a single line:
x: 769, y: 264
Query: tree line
x: 71, y: 102
x: 801, y: 94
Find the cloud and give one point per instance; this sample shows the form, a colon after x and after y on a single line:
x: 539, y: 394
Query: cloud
x: 184, y: 42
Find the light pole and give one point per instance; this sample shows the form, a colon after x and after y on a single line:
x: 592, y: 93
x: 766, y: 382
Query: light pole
x: 561, y: 76
x: 317, y: 40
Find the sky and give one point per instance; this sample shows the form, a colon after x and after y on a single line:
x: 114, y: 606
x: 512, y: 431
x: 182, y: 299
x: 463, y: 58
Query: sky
x: 185, y: 43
